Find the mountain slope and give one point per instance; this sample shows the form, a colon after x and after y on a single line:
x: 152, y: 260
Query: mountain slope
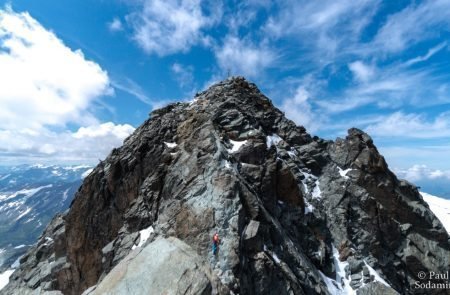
x: 296, y: 214
x: 29, y: 198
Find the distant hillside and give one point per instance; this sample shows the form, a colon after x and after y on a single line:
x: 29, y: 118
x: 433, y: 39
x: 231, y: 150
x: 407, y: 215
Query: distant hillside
x: 29, y: 197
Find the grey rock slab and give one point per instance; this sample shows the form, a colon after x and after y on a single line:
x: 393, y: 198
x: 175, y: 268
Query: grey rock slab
x: 376, y: 288
x: 165, y: 266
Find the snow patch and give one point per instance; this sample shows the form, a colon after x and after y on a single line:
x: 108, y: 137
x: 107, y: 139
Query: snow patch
x: 144, y: 235
x: 307, y: 176
x: 4, y: 278
x: 340, y: 272
x: 5, y: 176
x: 27, y: 192
x: 317, y: 193
x: 308, y: 208
x: 440, y: 208
x: 56, y: 173
x: 75, y: 168
x: 236, y: 145
x: 292, y: 154
x: 335, y: 286
x: 343, y: 173
x: 48, y: 240
x: 331, y: 284
x: 193, y: 101
x: 24, y: 213
x: 171, y: 145
x: 273, y: 139
x: 275, y: 257
x: 86, y: 173
x: 376, y: 275
x: 16, y: 263
x: 65, y: 194
x: 20, y: 246
x: 39, y: 166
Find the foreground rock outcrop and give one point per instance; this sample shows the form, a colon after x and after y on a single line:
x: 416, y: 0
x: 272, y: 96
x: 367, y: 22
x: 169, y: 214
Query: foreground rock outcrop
x: 296, y: 214
x: 165, y: 266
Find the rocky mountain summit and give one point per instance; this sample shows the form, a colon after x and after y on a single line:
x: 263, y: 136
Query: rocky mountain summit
x: 296, y: 214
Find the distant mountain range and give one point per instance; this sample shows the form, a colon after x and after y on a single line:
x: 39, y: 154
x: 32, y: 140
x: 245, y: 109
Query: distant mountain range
x: 30, y: 195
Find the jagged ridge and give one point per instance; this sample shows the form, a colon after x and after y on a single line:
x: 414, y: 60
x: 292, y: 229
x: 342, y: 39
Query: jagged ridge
x: 291, y: 209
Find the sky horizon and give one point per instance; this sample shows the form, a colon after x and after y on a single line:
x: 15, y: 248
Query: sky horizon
x: 78, y: 77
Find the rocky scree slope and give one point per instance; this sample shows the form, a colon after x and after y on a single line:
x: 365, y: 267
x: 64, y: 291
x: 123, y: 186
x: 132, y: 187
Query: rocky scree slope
x: 297, y: 214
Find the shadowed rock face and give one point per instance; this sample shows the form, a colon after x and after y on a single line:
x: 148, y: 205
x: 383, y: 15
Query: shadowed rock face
x: 291, y: 210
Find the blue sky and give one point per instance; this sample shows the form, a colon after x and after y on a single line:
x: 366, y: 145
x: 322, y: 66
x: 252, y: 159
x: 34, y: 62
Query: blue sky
x: 77, y: 76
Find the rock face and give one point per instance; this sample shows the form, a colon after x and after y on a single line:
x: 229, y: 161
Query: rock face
x: 166, y: 266
x: 296, y: 214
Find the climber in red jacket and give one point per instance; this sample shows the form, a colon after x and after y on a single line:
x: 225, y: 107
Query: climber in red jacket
x: 215, y: 243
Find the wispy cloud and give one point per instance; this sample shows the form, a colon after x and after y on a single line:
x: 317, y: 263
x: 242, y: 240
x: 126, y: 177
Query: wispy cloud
x: 432, y: 51
x: 415, y: 23
x: 167, y: 27
x: 298, y: 108
x: 242, y: 57
x: 184, y: 75
x: 333, y: 36
x: 129, y: 86
x: 115, y: 25
x: 401, y: 125
x: 323, y: 29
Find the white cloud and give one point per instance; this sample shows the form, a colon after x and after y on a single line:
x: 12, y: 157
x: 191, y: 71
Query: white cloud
x: 422, y: 172
x: 298, y: 108
x: 43, y: 81
x: 242, y: 57
x: 361, y: 71
x: 87, y: 144
x: 169, y: 26
x: 102, y: 130
x: 115, y: 25
x: 415, y: 23
x: 45, y: 86
x: 411, y: 125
